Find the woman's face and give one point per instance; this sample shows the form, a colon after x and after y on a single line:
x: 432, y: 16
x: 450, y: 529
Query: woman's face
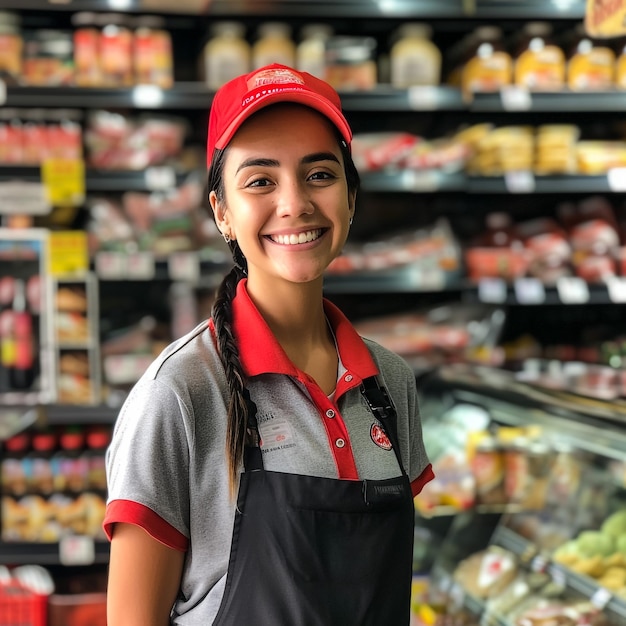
x: 286, y: 198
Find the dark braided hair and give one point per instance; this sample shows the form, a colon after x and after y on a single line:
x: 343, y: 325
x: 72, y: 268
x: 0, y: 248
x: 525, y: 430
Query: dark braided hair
x: 239, y: 403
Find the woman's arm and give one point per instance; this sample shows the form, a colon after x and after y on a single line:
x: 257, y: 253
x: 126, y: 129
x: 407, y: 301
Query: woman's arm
x: 144, y: 578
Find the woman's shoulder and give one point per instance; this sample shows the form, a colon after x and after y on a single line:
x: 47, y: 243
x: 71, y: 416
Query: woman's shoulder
x: 389, y: 362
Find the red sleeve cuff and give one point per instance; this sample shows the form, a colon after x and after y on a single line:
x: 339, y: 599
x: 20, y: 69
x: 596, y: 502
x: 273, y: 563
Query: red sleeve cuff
x: 425, y: 477
x: 134, y: 513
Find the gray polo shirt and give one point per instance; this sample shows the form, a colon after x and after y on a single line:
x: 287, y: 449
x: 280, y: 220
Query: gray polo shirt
x: 166, y: 466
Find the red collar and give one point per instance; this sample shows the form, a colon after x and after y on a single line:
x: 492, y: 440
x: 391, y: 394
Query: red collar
x: 260, y: 352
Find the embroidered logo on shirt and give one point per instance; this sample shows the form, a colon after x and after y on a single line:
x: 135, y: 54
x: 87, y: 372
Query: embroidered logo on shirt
x: 379, y: 436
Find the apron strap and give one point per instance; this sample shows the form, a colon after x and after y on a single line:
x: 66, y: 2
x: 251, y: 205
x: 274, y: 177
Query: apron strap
x: 381, y: 406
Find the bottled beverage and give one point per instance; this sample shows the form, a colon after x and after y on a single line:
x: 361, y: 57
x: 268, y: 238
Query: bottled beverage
x: 22, y: 373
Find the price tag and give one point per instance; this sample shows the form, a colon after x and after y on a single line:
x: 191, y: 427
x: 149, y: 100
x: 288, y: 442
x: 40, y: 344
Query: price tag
x: 538, y: 564
x: 22, y: 198
x: 616, y: 179
x: 140, y: 266
x: 68, y: 252
x: 492, y: 290
x: 3, y: 93
x: 423, y: 97
x: 64, y: 181
x: 572, y: 290
x: 522, y: 181
x: 111, y: 265
x: 432, y: 278
x: 617, y: 289
x: 515, y: 98
x: 184, y: 266
x: 529, y: 291
x: 414, y: 180
x: 160, y: 178
x: 77, y: 550
x: 601, y: 597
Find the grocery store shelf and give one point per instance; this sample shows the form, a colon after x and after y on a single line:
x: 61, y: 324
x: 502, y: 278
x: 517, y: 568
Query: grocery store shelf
x: 589, y: 588
x: 184, y: 95
x: 24, y: 553
x: 519, y: 99
x: 527, y: 182
x: 410, y: 278
x: 153, y: 178
x: 451, y: 9
x: 413, y: 181
x: 63, y: 415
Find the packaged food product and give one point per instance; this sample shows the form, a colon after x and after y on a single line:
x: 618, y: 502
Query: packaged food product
x: 226, y: 55
x: 116, y: 50
x: 11, y: 44
x: 13, y: 472
x: 555, y: 149
x: 591, y: 66
x: 311, y: 51
x: 489, y: 66
x: 620, y: 69
x: 152, y: 53
x: 48, y: 58
x: 414, y: 58
x: 274, y: 45
x: 527, y: 470
x: 87, y: 71
x: 539, y: 65
x: 488, y: 572
x: 350, y: 63
x: 486, y: 459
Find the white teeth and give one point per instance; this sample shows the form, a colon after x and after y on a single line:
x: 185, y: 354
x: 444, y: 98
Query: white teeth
x: 292, y: 240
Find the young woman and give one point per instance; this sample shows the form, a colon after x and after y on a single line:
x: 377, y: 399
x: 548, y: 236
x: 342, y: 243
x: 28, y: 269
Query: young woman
x: 262, y: 470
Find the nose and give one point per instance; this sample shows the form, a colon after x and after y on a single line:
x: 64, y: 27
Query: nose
x: 293, y: 199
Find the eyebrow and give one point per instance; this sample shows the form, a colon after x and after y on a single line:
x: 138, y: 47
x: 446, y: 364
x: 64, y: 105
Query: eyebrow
x: 306, y: 160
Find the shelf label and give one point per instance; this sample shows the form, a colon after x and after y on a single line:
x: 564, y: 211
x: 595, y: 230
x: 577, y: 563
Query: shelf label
x: 423, y: 97
x: 601, y: 597
x: 140, y: 266
x: 420, y: 180
x: 22, y: 198
x: 521, y: 181
x: 616, y: 179
x: 538, y: 564
x: 529, y: 291
x: 616, y: 286
x: 492, y: 290
x: 77, y: 550
x: 184, y: 266
x: 111, y: 265
x: 3, y: 93
x: 558, y: 577
x: 515, y: 98
x: 160, y: 178
x: 68, y: 252
x: 572, y: 290
x: 64, y: 181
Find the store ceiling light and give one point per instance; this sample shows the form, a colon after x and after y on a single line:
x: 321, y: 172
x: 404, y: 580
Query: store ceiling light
x: 147, y: 96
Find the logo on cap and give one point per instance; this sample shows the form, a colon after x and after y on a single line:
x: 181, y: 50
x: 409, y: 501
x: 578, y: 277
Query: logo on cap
x: 274, y: 76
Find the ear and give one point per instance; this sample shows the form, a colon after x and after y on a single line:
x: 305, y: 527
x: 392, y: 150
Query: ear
x: 352, y: 203
x: 220, y: 213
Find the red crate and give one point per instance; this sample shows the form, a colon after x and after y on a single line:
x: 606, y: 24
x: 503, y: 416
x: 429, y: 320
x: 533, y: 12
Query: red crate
x: 21, y: 607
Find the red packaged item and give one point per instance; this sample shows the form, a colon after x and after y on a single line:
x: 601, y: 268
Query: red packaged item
x: 506, y: 263
x: 87, y: 50
x: 19, y: 606
x: 375, y: 151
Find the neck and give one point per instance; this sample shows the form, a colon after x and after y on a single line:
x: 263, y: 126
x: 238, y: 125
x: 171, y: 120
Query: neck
x: 294, y: 312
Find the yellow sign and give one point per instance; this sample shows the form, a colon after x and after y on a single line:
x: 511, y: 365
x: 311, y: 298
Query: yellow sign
x: 605, y: 18
x: 68, y: 252
x: 64, y: 182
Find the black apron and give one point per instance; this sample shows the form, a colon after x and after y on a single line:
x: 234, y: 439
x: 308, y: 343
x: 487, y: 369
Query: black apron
x: 311, y: 551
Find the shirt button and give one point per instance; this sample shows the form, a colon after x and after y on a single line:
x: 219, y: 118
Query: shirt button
x: 340, y: 443
x: 348, y: 378
x: 330, y: 413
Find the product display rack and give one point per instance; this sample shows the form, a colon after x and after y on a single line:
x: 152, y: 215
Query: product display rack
x: 384, y: 101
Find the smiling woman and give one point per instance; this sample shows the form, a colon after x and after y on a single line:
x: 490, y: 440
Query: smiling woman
x: 262, y: 470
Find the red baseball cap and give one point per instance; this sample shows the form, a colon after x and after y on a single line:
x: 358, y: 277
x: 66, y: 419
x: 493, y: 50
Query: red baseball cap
x: 239, y: 98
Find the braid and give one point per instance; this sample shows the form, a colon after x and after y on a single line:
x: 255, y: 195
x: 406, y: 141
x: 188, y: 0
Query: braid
x: 229, y: 355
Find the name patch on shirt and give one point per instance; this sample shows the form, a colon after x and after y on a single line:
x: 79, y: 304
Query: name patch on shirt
x: 276, y: 434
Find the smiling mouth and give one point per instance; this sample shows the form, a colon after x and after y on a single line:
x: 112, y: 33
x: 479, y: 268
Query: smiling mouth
x: 300, y: 238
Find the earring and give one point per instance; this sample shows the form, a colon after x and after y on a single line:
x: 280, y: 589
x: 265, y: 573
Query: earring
x: 351, y: 220
x: 226, y: 237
